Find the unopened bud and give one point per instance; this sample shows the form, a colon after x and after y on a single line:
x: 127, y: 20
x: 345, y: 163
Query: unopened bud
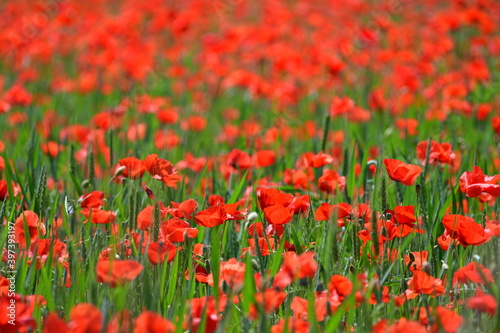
x: 252, y: 216
x: 427, y: 268
x: 119, y: 171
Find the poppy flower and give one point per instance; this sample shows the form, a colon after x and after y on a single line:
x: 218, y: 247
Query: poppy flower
x: 314, y: 160
x: 162, y: 170
x: 53, y: 323
x: 4, y: 190
x: 483, y: 303
x: 238, y: 160
x: 445, y: 320
x: 204, y: 307
x: 232, y: 272
x: 133, y: 167
x: 117, y: 272
x: 292, y: 324
x: 176, y: 230
x: 211, y: 217
x: 331, y: 181
x: 51, y: 148
x: 264, y: 158
x: 276, y: 206
x: 473, y: 272
x: 300, y: 306
x: 297, y: 178
x: 93, y: 199
x: 327, y: 210
x: 475, y: 183
x: 159, y: 252
x: 99, y: 216
x: 146, y: 216
x: 339, y: 288
x: 402, y: 172
x: 18, y: 318
x: 465, y: 230
x: 184, y: 209
x: 151, y: 322
x: 29, y: 219
x: 423, y: 283
x: 86, y: 318
x: 278, y: 214
x: 403, y: 215
x: 439, y: 152
x: 416, y: 260
x: 269, y: 300
x: 404, y: 325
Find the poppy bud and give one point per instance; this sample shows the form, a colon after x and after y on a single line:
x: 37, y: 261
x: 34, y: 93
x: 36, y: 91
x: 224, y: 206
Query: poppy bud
x: 119, y: 171
x: 252, y: 216
x: 255, y: 265
x: 427, y: 268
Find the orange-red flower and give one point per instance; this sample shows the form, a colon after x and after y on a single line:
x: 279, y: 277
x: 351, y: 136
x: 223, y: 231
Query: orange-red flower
x: 423, y: 283
x: 30, y: 220
x: 117, y: 272
x: 475, y: 183
x: 465, y: 230
x: 151, y: 322
x: 439, y: 152
x: 133, y: 167
x: 211, y: 217
x: 162, y: 170
x: 402, y: 172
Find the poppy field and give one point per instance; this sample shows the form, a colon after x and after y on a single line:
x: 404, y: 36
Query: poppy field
x: 249, y: 166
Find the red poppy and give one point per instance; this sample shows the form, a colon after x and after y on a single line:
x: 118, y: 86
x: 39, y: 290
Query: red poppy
x: 162, y: 170
x: 292, y: 324
x: 52, y: 148
x: 29, y: 219
x: 93, y: 199
x: 184, y: 209
x: 99, y: 216
x: 16, y: 315
x: 265, y: 158
x: 211, y: 217
x: 151, y: 322
x: 327, y: 211
x: 159, y: 252
x: 423, y: 283
x: 331, y: 181
x: 404, y: 325
x: 439, y: 152
x: 276, y: 206
x: 417, y: 260
x: 269, y: 300
x: 53, y: 324
x: 483, y: 303
x: 473, y: 272
x: 133, y: 167
x: 204, y: 307
x: 475, y: 183
x: 402, y: 172
x: 238, y: 160
x: 300, y: 306
x: 465, y: 230
x: 176, y: 230
x: 403, y: 214
x: 339, y: 288
x: 85, y: 318
x: 117, y: 272
x: 146, y: 216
